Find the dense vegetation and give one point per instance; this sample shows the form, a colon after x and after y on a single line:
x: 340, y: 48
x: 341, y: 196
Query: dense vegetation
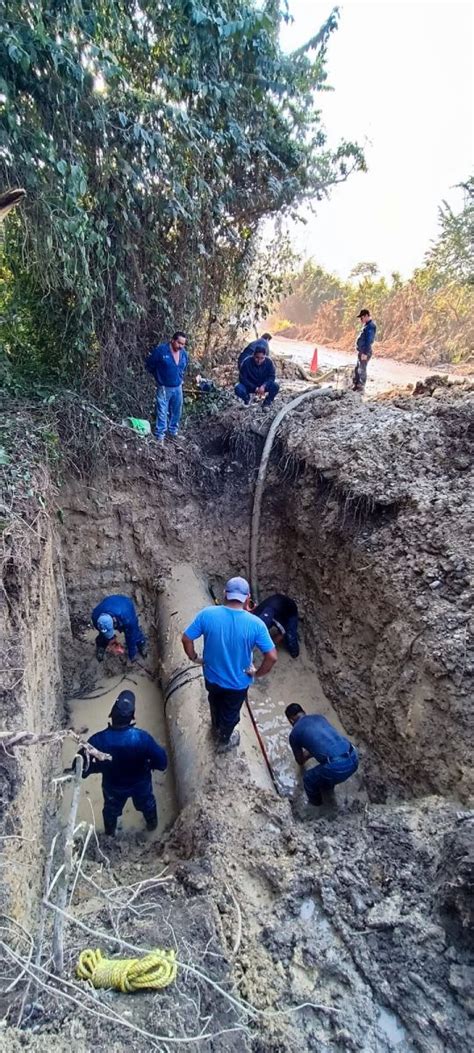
x: 152, y: 138
x: 428, y: 317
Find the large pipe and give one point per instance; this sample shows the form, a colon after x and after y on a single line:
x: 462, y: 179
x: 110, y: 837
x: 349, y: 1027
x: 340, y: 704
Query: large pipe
x: 185, y: 700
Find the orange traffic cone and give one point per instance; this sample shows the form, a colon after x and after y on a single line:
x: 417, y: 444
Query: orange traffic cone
x: 314, y: 362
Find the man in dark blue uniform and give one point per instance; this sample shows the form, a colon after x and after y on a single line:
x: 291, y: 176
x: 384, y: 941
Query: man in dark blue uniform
x: 262, y: 342
x: 313, y: 736
x: 257, y: 377
x: 364, y: 347
x: 118, y: 612
x: 135, y: 754
x: 280, y: 614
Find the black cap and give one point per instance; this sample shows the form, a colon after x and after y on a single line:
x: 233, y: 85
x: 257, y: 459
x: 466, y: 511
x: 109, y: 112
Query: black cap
x: 123, y: 709
x: 363, y: 311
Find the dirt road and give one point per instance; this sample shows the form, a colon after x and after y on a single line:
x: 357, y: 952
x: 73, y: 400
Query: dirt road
x: 383, y: 374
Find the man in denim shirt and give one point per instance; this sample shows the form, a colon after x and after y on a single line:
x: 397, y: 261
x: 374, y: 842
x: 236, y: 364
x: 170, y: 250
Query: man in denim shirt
x: 364, y: 346
x: 168, y: 363
x: 313, y: 737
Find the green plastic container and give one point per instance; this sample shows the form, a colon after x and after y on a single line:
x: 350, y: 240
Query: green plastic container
x: 143, y: 427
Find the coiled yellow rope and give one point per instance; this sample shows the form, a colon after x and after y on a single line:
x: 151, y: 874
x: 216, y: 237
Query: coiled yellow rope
x: 155, y: 970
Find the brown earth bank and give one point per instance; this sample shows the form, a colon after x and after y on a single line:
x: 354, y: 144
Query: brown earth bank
x: 361, y: 915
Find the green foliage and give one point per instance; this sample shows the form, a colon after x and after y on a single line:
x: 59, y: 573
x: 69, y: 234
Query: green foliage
x: 451, y: 258
x: 152, y: 139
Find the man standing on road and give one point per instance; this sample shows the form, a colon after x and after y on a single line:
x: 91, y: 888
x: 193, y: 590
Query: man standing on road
x: 168, y: 363
x: 230, y: 634
x: 257, y: 377
x: 135, y: 754
x: 314, y: 737
x: 249, y: 350
x: 364, y: 346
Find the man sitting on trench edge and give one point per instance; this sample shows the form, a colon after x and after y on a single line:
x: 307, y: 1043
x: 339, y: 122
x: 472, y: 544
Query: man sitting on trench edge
x: 314, y: 737
x: 230, y: 634
x: 135, y: 754
x: 257, y: 377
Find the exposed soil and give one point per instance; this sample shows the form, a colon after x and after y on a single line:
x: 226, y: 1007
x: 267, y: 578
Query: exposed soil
x: 364, y: 910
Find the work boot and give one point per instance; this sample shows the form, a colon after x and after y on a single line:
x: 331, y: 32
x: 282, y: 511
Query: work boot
x: 110, y: 828
x: 160, y: 440
x: 229, y: 744
x: 152, y: 820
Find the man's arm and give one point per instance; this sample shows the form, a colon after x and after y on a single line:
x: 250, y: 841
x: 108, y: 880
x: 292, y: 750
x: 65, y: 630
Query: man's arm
x: 156, y: 753
x: 269, y: 660
x: 192, y: 633
x: 270, y: 370
x: 300, y: 755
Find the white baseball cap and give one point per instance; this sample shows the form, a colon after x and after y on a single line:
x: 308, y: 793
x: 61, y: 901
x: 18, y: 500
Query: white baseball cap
x: 237, y: 589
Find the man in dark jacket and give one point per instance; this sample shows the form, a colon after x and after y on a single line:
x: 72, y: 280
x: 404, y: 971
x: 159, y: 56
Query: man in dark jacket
x: 135, y: 754
x: 364, y: 345
x: 168, y: 363
x: 257, y: 377
x: 262, y: 341
x: 280, y: 614
x: 312, y: 736
x: 118, y: 612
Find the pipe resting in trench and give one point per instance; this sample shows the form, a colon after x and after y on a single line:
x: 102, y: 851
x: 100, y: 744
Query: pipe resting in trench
x: 262, y: 473
x: 186, y: 708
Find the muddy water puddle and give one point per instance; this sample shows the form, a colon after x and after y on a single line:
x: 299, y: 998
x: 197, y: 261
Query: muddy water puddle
x: 92, y: 713
x: 294, y: 680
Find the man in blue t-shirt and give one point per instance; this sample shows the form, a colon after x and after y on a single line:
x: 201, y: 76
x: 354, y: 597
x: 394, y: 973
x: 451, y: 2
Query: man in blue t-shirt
x: 230, y: 634
x: 168, y: 363
x: 314, y: 737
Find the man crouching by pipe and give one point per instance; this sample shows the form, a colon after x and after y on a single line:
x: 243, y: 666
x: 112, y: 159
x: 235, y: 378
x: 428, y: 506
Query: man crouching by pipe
x: 313, y: 737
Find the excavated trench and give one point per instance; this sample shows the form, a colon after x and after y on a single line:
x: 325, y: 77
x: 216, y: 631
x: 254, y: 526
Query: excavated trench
x: 335, y: 912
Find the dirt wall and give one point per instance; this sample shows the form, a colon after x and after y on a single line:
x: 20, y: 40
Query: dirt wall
x: 35, y: 626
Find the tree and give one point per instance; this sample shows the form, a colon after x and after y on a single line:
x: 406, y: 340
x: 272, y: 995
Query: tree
x: 152, y: 139
x: 363, y: 270
x: 452, y: 254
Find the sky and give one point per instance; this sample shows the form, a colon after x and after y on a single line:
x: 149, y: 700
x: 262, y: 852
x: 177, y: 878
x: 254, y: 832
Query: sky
x: 403, y: 84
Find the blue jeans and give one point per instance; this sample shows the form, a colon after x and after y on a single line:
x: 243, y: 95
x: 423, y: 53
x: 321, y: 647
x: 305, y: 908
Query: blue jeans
x: 116, y: 797
x: 243, y: 392
x: 325, y: 776
x: 169, y: 406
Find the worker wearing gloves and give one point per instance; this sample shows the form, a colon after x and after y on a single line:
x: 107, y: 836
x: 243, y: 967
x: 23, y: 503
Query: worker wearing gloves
x: 230, y: 634
x: 312, y: 736
x: 364, y: 347
x: 135, y: 754
x: 280, y: 614
x: 118, y: 613
x: 257, y: 377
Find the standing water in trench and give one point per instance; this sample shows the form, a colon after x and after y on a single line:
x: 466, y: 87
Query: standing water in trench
x: 92, y: 712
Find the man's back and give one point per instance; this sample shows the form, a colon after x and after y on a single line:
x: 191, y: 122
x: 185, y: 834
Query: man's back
x: 276, y: 608
x: 315, y: 734
x: 117, y: 605
x: 230, y: 634
x: 134, y: 754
